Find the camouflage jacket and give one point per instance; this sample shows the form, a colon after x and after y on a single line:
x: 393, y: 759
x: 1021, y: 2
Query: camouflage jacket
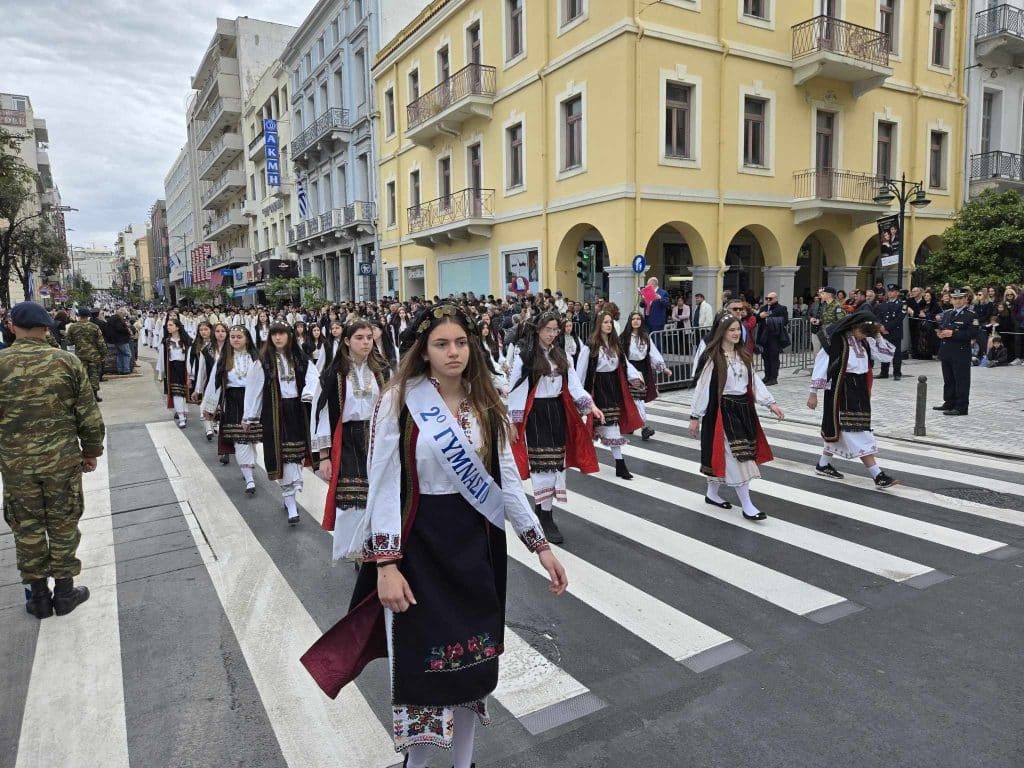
x: 87, y: 339
x: 49, y: 418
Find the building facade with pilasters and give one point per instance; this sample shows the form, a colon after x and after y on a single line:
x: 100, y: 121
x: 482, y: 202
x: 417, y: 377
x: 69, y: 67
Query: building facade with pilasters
x: 736, y: 145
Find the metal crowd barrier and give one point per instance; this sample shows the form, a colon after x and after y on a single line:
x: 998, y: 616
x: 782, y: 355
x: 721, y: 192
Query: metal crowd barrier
x: 678, y: 345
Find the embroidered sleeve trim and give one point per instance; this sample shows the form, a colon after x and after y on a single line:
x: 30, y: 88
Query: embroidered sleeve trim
x: 382, y: 546
x: 534, y: 539
x: 584, y: 404
x: 819, y: 383
x: 516, y: 416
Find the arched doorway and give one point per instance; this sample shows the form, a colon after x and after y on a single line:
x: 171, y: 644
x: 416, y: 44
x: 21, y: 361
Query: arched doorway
x: 821, y: 250
x: 671, y: 251
x: 744, y: 265
x: 576, y: 239
x: 871, y: 271
x: 920, y: 277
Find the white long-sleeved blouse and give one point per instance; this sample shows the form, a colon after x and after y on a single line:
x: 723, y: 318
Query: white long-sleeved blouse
x: 359, y: 404
x: 736, y: 382
x: 548, y: 386
x: 237, y: 377
x: 385, y: 479
x: 286, y: 379
x: 606, y: 364
x: 638, y: 349
x: 856, y: 362
x: 178, y: 353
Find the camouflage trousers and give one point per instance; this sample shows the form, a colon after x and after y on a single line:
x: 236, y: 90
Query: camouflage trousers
x: 43, y: 512
x: 92, y: 367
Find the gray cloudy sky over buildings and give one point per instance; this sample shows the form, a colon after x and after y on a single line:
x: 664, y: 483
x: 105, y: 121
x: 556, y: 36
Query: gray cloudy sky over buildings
x: 111, y: 78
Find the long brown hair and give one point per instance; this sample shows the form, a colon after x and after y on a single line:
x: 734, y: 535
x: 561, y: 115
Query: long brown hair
x: 714, y: 349
x: 556, y: 352
x: 597, y: 339
x: 228, y: 354
x: 482, y: 395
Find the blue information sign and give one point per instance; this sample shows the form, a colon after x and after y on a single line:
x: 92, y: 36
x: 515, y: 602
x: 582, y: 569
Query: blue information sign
x: 639, y: 264
x: 271, y: 152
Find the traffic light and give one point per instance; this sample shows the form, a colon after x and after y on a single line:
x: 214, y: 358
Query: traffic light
x: 585, y: 265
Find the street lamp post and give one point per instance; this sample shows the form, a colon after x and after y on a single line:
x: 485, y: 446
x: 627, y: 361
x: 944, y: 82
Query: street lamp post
x: 903, y: 192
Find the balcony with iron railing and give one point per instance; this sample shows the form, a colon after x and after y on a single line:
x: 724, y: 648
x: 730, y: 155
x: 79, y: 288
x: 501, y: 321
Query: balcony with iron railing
x: 997, y: 170
x: 224, y: 225
x: 458, y: 216
x: 223, y: 79
x: 466, y: 94
x: 221, y: 190
x: 331, y: 126
x: 822, y: 191
x: 223, y: 112
x: 222, y: 153
x: 256, y: 146
x: 1000, y: 33
x: 830, y: 48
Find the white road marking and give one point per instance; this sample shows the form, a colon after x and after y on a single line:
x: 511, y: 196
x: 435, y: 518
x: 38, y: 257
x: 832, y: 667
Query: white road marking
x: 258, y: 602
x: 74, y: 709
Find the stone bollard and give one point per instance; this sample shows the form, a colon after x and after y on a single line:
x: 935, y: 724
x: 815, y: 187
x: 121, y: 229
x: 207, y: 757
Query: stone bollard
x: 922, y: 403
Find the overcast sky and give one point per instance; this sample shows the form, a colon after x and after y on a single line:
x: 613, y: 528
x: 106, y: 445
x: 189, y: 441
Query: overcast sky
x: 111, y: 77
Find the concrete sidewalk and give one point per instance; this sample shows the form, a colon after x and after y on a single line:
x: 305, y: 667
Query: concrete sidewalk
x: 995, y: 424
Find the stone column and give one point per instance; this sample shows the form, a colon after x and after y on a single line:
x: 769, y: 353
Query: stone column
x: 347, y: 292
x: 843, y: 278
x: 706, y: 280
x: 781, y: 281
x: 622, y: 285
x: 329, y: 280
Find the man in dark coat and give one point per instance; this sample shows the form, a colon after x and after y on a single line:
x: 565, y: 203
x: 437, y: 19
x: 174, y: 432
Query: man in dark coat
x: 957, y: 329
x: 890, y: 314
x: 773, y: 319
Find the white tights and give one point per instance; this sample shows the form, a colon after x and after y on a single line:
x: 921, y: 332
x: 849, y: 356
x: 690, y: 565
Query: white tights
x: 616, y: 452
x: 180, y: 407
x: 743, y: 491
x: 463, y: 734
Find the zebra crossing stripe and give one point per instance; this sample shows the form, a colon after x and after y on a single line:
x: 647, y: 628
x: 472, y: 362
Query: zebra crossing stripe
x: 532, y: 688
x: 74, y: 707
x: 684, y: 639
x: 918, y: 529
x: 273, y: 629
x: 834, y: 548
x: 779, y: 589
x: 937, y: 473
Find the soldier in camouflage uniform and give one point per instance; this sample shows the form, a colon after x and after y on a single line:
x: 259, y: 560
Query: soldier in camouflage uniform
x: 51, y: 431
x: 87, y: 341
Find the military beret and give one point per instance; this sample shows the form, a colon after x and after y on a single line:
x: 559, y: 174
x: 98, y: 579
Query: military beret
x: 28, y: 315
x: 829, y: 289
x: 84, y: 312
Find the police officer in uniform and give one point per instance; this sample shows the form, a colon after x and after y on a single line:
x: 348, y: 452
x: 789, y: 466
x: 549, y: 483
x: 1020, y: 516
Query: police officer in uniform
x: 51, y: 431
x: 85, y: 339
x: 957, y: 329
x: 890, y: 314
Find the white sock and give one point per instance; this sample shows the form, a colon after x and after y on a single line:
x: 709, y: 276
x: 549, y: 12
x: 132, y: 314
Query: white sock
x: 825, y: 460
x: 418, y: 756
x: 462, y: 740
x: 875, y: 471
x: 617, y: 452
x: 743, y: 491
x: 247, y: 474
x: 289, y: 503
x: 713, y: 493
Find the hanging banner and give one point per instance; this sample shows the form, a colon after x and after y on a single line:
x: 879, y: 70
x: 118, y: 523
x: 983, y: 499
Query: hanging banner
x: 272, y: 152
x: 890, y: 239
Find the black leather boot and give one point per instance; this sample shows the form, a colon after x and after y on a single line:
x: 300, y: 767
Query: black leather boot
x: 40, y: 602
x: 67, y: 597
x: 621, y: 471
x: 646, y: 433
x: 547, y: 523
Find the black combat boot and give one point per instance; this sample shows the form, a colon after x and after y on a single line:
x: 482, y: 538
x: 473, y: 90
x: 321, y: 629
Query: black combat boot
x: 646, y: 433
x: 67, y: 597
x: 621, y: 471
x: 40, y: 603
x: 547, y: 523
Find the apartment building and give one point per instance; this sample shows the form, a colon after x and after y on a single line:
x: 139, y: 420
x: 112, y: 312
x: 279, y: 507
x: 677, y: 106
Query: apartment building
x: 158, y: 247
x: 18, y: 118
x: 995, y: 90
x: 128, y: 259
x: 97, y: 265
x: 735, y: 145
x: 180, y: 222
x: 332, y: 152
x: 239, y: 53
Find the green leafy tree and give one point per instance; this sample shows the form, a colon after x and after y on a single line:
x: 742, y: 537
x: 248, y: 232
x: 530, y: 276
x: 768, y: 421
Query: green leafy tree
x: 280, y: 290
x: 17, y: 206
x: 36, y: 249
x: 81, y: 290
x: 312, y: 287
x: 985, y: 246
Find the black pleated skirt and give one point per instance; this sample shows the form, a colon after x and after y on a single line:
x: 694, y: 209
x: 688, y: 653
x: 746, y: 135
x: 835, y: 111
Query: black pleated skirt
x: 353, y: 484
x: 545, y: 435
x: 608, y: 396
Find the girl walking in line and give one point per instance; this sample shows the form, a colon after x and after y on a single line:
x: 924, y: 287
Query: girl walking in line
x: 224, y: 401
x: 732, y: 442
x: 646, y: 358
x: 172, y: 368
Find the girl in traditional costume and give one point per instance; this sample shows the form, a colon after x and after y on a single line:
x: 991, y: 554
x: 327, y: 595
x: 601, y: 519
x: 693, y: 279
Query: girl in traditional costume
x: 843, y: 370
x: 443, y: 485
x: 608, y: 376
x: 172, y: 368
x: 646, y: 358
x: 349, y: 390
x: 575, y: 350
x: 275, y: 391
x: 732, y: 442
x: 200, y: 365
x: 224, y: 401
x: 546, y: 405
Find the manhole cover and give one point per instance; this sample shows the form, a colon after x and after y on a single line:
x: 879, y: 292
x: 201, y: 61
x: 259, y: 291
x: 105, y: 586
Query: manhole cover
x: 981, y: 496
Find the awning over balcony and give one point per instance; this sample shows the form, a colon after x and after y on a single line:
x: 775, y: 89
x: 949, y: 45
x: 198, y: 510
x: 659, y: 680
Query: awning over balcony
x: 459, y: 216
x: 831, y: 48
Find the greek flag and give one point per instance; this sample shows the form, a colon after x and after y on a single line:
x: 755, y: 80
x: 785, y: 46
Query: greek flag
x: 303, y: 200
x: 186, y: 280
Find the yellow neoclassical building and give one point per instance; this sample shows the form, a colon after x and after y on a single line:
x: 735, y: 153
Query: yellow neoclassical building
x: 734, y: 143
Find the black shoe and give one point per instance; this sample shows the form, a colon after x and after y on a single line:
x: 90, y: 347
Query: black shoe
x: 250, y: 489
x: 758, y: 516
x: 943, y: 407
x: 828, y: 471
x: 897, y: 376
x: 719, y: 504
x: 548, y: 525
x: 67, y: 597
x: 621, y: 471
x: 99, y: 399
x: 884, y: 481
x: 954, y: 412
x: 40, y: 602
x: 225, y: 459
x: 646, y: 433
x: 209, y: 437
x: 770, y: 382
x: 294, y: 520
